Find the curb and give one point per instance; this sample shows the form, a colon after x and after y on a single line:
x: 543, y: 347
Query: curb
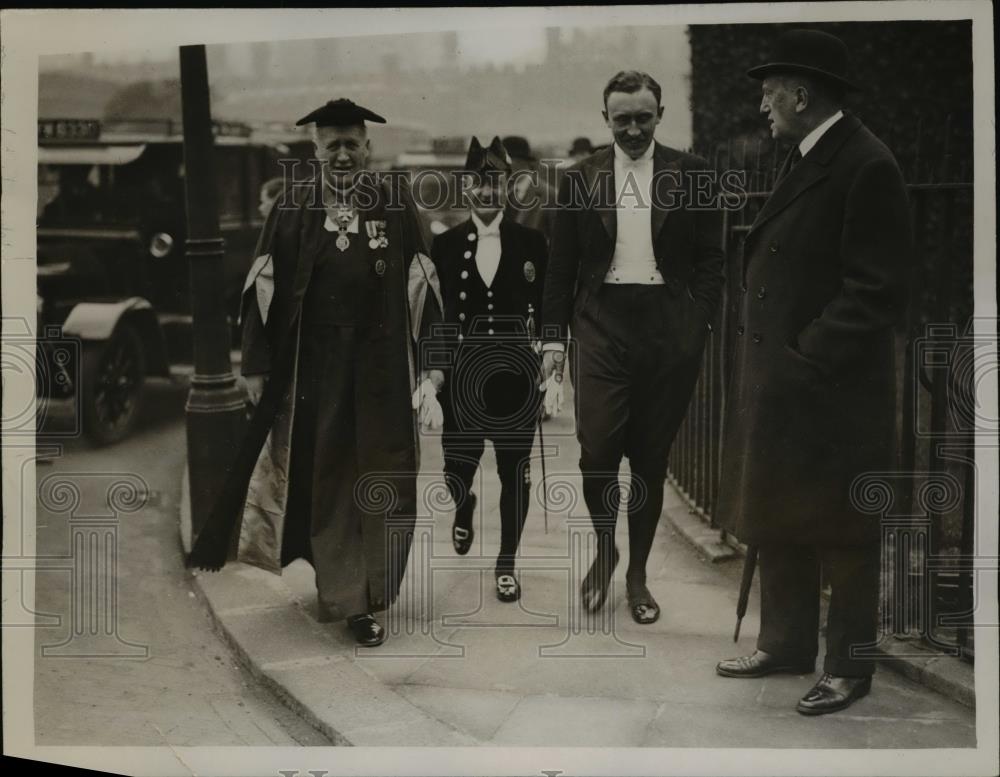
x: 950, y: 676
x: 282, y: 646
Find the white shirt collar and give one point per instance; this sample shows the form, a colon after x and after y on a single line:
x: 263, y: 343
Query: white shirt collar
x: 331, y: 226
x: 810, y: 140
x: 623, y: 158
x: 483, y: 229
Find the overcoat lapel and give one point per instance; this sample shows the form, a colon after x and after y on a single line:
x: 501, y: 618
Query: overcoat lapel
x: 813, y: 169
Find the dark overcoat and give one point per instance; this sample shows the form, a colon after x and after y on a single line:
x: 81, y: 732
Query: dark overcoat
x: 811, y: 401
x: 251, y: 508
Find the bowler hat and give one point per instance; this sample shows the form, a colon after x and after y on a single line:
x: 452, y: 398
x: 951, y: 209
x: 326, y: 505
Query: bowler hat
x: 810, y: 52
x: 517, y: 146
x: 581, y: 146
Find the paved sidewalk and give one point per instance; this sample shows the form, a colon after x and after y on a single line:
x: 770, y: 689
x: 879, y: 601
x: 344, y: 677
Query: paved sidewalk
x: 460, y: 668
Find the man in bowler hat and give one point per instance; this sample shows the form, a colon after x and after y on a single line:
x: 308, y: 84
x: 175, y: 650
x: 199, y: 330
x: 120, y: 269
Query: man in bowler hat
x: 531, y: 197
x: 811, y: 403
x: 492, y: 270
x: 636, y: 275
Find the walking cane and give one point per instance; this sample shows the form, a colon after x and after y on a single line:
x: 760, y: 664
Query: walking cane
x: 749, y: 564
x: 541, y: 413
x: 541, y: 446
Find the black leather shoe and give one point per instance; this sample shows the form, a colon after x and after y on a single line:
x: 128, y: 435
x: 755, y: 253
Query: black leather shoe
x: 595, y: 585
x: 461, y: 530
x: 508, y: 588
x: 833, y: 693
x: 366, y: 630
x: 761, y: 664
x: 641, y: 603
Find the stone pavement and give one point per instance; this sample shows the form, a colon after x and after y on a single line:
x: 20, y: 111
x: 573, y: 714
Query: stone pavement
x: 461, y: 668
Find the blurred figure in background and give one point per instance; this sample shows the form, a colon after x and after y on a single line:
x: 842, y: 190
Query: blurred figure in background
x: 581, y: 148
x: 269, y: 192
x: 532, y: 199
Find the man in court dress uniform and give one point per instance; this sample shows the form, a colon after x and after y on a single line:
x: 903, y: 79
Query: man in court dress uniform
x: 491, y: 270
x: 334, y: 306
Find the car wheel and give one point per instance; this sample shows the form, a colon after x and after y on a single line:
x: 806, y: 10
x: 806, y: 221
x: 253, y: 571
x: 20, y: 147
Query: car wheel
x: 112, y: 382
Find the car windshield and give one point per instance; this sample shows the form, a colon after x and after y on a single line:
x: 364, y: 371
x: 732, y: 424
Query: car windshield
x: 95, y: 194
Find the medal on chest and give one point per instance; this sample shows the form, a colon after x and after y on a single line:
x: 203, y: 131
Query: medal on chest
x: 376, y: 234
x: 343, y: 218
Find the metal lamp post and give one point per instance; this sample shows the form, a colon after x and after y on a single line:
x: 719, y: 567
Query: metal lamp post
x: 215, y: 408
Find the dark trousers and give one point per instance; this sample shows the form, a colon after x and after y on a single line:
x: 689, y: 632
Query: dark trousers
x: 463, y: 440
x: 461, y: 460
x: 637, y: 351
x: 790, y: 601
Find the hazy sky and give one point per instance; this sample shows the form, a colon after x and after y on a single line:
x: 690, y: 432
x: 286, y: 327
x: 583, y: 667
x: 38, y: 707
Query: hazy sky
x: 520, y: 46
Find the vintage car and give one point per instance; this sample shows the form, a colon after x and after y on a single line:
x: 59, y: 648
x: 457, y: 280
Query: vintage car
x: 113, y: 279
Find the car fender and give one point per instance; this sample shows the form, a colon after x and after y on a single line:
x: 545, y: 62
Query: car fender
x: 95, y: 321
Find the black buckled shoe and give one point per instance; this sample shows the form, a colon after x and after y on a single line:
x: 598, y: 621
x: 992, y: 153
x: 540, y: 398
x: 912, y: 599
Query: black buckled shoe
x: 832, y: 694
x: 462, y: 533
x: 641, y: 603
x: 761, y: 664
x: 366, y: 630
x: 594, y: 589
x: 508, y: 588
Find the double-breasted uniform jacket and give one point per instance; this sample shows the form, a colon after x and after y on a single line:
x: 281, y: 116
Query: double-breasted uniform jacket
x: 811, y: 402
x: 490, y: 330
x: 687, y: 244
x: 405, y: 305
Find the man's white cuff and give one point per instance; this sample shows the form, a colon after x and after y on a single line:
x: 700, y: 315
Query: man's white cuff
x: 560, y: 347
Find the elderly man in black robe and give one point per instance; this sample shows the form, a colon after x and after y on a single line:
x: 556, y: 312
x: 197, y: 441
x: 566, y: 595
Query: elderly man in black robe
x: 334, y: 309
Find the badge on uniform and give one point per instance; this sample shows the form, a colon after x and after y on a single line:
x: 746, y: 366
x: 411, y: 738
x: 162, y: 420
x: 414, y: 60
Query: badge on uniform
x: 376, y: 235
x: 380, y: 267
x: 529, y: 272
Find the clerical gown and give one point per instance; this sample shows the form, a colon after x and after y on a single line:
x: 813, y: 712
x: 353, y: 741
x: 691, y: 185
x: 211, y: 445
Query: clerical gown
x: 328, y: 470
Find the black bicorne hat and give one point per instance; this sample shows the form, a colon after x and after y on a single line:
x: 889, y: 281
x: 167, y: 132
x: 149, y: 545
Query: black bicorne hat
x: 810, y: 52
x: 492, y: 157
x: 340, y: 113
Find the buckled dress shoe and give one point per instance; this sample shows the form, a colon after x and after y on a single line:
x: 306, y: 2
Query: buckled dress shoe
x: 760, y: 664
x: 641, y: 603
x: 594, y: 589
x: 462, y: 536
x: 366, y: 630
x: 833, y: 693
x: 508, y: 589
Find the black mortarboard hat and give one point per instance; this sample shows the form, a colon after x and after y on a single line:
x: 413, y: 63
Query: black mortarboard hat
x: 811, y: 52
x: 493, y: 157
x: 340, y: 113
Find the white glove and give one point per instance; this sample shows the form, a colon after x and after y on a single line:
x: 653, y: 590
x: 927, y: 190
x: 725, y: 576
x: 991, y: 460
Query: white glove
x: 426, y: 402
x: 553, y: 399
